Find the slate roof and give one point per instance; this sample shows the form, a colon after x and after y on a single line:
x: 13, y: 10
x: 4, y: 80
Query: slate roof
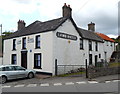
x: 89, y: 35
x: 39, y: 27
x: 51, y: 25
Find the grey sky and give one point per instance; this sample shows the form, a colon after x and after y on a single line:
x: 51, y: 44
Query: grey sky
x: 104, y: 13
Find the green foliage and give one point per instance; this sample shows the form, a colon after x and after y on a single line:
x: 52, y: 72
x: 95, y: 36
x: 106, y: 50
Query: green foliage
x: 114, y: 64
x: 4, y: 34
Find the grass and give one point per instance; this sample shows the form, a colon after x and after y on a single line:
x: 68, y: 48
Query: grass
x: 65, y: 75
x: 114, y: 64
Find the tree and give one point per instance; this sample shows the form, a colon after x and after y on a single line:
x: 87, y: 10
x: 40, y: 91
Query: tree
x: 4, y: 34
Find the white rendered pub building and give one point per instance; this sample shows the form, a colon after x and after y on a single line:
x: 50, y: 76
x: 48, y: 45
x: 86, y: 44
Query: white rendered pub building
x: 39, y: 44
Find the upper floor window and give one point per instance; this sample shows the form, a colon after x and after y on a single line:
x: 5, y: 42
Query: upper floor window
x: 14, y: 59
x: 107, y: 43
x: 81, y: 43
x: 37, y: 43
x: 90, y: 45
x: 24, y: 43
x: 14, y: 44
x: 96, y: 46
x: 111, y: 44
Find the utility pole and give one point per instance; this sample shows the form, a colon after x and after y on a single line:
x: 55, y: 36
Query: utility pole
x: 1, y: 42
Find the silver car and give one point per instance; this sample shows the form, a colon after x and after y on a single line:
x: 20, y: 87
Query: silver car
x: 9, y: 72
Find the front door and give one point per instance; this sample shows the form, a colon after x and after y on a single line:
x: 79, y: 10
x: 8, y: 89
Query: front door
x: 24, y: 59
x: 96, y: 60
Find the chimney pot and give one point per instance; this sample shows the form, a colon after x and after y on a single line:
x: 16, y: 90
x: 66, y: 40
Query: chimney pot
x: 91, y: 26
x: 67, y: 11
x: 68, y: 5
x: 21, y: 24
x: 65, y: 4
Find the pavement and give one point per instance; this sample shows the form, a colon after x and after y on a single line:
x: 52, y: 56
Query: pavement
x: 45, y: 80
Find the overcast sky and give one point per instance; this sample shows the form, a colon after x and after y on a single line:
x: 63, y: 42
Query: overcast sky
x: 104, y: 13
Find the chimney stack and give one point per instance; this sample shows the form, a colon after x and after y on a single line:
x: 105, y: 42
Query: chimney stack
x: 67, y: 11
x: 21, y: 24
x: 91, y: 26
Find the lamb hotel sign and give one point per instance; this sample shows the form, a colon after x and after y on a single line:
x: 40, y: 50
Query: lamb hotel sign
x: 66, y: 36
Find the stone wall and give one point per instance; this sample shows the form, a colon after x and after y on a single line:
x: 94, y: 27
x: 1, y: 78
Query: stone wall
x: 102, y: 71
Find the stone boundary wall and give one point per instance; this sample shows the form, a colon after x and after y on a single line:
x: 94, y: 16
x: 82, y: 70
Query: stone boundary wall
x: 94, y: 72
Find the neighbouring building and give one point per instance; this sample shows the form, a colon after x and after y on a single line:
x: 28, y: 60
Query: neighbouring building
x: 108, y: 46
x: 38, y: 45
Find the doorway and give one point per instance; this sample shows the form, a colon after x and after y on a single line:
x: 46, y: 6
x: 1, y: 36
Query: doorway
x: 24, y: 59
x: 96, y: 59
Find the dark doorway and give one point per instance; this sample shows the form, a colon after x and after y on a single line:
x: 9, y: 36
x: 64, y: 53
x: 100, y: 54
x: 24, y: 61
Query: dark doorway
x: 96, y: 59
x: 24, y: 59
x: 90, y: 59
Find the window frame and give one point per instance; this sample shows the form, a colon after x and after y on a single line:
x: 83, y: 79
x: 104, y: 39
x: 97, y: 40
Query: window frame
x: 24, y: 43
x: 81, y: 44
x: 36, y: 61
x: 90, y: 45
x: 12, y: 59
x: 96, y: 46
x: 14, y: 44
x: 37, y: 41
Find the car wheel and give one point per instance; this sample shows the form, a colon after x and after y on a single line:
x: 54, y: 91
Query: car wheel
x: 30, y: 75
x: 4, y: 79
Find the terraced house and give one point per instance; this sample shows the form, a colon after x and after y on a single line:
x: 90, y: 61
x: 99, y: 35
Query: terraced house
x: 38, y: 45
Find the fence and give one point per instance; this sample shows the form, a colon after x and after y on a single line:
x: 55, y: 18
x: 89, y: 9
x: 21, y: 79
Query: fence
x: 78, y: 70
x: 67, y: 69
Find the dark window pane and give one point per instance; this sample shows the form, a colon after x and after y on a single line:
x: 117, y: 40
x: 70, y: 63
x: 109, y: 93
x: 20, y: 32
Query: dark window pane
x: 14, y: 44
x: 14, y: 59
x: 24, y: 43
x: 81, y: 43
x: 37, y: 45
x: 37, y: 60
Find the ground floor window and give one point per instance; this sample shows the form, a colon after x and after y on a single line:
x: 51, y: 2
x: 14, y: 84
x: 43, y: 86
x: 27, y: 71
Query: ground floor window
x: 37, y: 60
x: 14, y: 59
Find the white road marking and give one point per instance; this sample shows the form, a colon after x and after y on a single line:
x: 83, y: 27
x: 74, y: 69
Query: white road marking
x: 32, y: 85
x: 69, y: 83
x: 57, y: 84
x: 44, y: 84
x: 92, y: 82
x: 116, y: 80
x: 107, y: 81
x: 81, y: 82
x: 19, y: 86
x: 6, y: 86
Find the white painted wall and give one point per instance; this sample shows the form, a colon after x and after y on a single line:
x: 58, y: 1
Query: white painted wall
x: 1, y: 60
x: 109, y: 47
x: 70, y: 53
x: 46, y: 50
x: 66, y: 51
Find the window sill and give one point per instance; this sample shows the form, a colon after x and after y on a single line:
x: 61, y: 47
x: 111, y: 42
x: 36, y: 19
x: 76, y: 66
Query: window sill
x: 38, y: 48
x: 37, y: 68
x: 81, y: 49
x: 13, y: 49
x: 24, y: 49
x: 90, y: 50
